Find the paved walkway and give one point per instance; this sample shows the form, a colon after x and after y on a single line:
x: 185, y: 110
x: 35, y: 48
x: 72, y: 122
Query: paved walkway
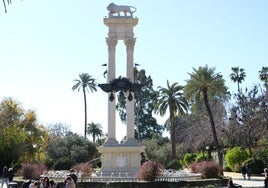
x: 255, y: 181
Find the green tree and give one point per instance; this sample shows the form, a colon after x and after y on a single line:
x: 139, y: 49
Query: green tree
x: 235, y: 158
x: 86, y: 82
x: 171, y: 98
x: 146, y: 124
x: 203, y: 84
x: 94, y: 129
x: 263, y: 75
x: 157, y: 149
x: 238, y: 75
x: 11, y: 145
x: 19, y: 132
x: 74, y: 147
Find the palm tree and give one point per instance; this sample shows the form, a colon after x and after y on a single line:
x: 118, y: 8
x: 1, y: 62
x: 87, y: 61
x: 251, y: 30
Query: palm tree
x: 87, y: 83
x: 95, y: 130
x: 4, y: 3
x: 171, y: 98
x: 263, y: 75
x: 203, y: 84
x: 238, y: 75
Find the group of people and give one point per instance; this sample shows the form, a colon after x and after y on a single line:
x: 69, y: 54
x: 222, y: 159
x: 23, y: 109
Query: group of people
x: 70, y: 182
x: 45, y: 183
x: 7, y: 176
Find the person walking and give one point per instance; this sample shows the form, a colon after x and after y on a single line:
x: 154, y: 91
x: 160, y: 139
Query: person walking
x: 244, y: 171
x: 266, y: 178
x: 248, y: 172
x: 4, y: 177
x: 10, y: 174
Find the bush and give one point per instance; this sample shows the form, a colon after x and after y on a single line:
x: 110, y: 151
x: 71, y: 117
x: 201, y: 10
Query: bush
x: 235, y: 157
x: 188, y: 159
x: 85, y: 168
x: 63, y: 163
x: 149, y: 171
x: 32, y: 171
x: 201, y: 157
x: 174, y: 164
x: 255, y: 165
x: 207, y: 169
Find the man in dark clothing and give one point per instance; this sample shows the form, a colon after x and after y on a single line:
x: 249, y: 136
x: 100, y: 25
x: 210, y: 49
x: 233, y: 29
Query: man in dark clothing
x: 73, y: 176
x: 244, y: 171
x: 10, y: 174
x: 4, y: 176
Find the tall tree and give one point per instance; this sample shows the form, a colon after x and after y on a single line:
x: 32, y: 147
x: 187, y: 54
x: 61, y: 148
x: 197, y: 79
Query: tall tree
x: 252, y: 123
x: 203, y: 84
x: 4, y: 4
x: 87, y: 83
x: 238, y: 75
x: 263, y: 75
x: 171, y: 98
x: 95, y: 130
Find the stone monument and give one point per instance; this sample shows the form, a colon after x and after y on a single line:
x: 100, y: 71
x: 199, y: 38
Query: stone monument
x: 121, y: 159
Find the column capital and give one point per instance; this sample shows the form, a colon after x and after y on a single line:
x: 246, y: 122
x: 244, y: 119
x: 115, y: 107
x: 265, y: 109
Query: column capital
x: 111, y: 42
x: 130, y: 43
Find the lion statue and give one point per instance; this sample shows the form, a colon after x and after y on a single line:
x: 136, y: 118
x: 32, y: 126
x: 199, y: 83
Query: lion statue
x: 116, y: 9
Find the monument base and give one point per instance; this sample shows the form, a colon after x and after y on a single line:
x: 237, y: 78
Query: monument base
x: 120, y: 160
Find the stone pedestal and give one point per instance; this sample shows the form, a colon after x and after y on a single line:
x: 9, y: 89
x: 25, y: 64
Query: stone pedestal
x: 121, y: 160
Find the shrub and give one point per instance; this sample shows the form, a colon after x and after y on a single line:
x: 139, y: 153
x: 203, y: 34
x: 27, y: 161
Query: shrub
x: 63, y: 163
x: 201, y: 157
x: 85, y: 168
x: 255, y: 165
x: 32, y: 170
x: 235, y: 157
x: 174, y: 164
x: 188, y: 158
x: 207, y: 169
x: 149, y: 171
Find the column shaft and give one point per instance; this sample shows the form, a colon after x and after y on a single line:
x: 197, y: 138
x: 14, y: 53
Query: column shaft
x: 130, y: 75
x: 111, y: 42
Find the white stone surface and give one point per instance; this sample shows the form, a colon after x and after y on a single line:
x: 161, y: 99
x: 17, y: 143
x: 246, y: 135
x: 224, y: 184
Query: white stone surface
x: 120, y: 158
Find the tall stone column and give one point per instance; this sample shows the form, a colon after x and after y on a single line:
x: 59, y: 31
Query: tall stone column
x: 123, y: 158
x: 111, y: 42
x: 130, y: 43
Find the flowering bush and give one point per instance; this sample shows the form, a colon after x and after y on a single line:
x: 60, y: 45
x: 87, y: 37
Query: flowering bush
x: 32, y: 170
x: 85, y: 168
x: 207, y: 169
x: 149, y: 171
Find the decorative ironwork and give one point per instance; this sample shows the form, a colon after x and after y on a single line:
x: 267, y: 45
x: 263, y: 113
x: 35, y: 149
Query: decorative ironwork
x: 120, y: 84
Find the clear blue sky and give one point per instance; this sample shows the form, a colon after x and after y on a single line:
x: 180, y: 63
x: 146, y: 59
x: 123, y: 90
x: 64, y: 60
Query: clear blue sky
x: 45, y: 44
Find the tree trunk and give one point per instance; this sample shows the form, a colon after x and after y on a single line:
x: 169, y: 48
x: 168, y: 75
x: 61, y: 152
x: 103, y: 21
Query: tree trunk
x: 172, y: 137
x: 215, y: 137
x: 85, y: 101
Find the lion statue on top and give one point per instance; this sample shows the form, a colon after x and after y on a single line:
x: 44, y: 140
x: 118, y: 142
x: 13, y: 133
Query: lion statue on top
x: 116, y: 9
